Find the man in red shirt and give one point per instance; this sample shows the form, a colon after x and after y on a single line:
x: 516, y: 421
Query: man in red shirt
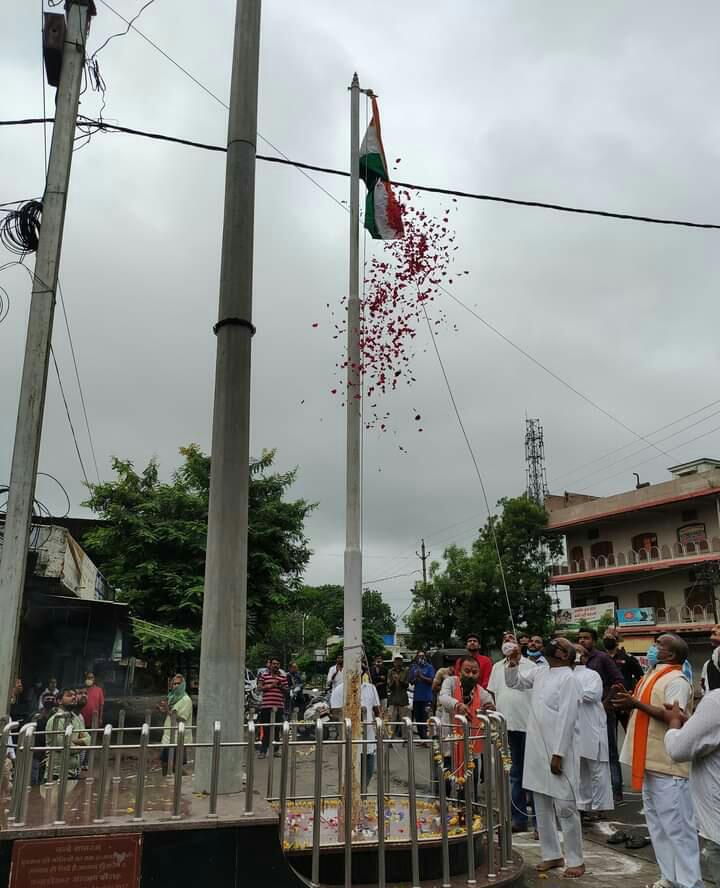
x: 472, y: 643
x: 95, y: 701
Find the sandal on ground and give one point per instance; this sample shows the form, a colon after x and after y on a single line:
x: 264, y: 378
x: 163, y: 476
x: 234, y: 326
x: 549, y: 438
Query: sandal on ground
x: 617, y: 838
x: 547, y: 865
x: 574, y: 872
x: 635, y: 842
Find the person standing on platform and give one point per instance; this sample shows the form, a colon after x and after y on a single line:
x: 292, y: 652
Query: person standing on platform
x: 421, y: 677
x: 472, y: 643
x: 398, y: 702
x: 699, y: 743
x: 515, y: 706
x: 666, y: 794
x: 95, y: 700
x: 612, y: 679
x: 378, y: 676
x: 273, y: 685
x: 551, y: 761
x: 55, y: 728
x: 595, y: 788
x: 178, y: 702
x: 710, y: 676
x: 370, y: 710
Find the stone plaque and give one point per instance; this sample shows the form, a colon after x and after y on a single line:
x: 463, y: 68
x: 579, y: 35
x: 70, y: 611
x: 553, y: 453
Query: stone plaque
x: 77, y: 862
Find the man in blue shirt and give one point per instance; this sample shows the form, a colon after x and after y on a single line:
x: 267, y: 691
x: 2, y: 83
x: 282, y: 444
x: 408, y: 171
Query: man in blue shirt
x: 421, y: 676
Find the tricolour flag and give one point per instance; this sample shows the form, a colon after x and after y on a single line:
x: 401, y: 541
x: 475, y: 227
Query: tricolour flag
x: 383, y: 214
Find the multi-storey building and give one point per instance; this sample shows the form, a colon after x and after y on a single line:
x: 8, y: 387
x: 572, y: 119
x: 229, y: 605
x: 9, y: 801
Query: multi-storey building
x: 654, y: 552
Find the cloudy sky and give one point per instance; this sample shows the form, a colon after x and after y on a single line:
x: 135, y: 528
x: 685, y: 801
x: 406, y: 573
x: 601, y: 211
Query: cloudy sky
x: 606, y: 105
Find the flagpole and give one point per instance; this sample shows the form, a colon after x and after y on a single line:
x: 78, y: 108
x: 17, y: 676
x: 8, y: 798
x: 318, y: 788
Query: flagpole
x: 352, y: 623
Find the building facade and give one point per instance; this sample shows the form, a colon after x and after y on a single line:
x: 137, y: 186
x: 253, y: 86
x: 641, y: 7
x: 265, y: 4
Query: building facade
x: 653, y: 552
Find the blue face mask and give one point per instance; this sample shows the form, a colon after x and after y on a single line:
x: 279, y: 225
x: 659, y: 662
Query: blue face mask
x: 652, y: 656
x: 534, y: 654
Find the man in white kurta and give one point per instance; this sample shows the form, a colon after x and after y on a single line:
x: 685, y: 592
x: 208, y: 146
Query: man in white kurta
x: 595, y: 786
x: 551, y: 768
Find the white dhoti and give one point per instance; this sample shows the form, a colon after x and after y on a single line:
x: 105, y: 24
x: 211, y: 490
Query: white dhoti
x: 568, y: 817
x: 595, y: 787
x: 671, y: 823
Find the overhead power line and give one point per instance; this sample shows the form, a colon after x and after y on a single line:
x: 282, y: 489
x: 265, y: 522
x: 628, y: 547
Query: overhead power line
x: 413, y: 186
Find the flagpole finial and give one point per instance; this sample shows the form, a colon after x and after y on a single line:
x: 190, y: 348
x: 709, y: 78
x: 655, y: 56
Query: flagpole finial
x: 355, y: 81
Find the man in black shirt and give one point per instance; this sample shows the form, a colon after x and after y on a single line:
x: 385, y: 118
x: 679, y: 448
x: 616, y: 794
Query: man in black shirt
x: 630, y: 667
x: 378, y: 676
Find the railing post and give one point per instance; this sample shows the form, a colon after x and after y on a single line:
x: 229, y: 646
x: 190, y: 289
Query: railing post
x: 63, y: 776
x: 504, y: 801
x: 178, y: 773
x: 173, y: 741
x: 412, y: 801
x: 93, y: 741
x: 250, y: 768
x: 214, y: 769
x: 24, y: 776
x: 489, y: 774
x: 380, y: 796
x: 348, y: 801
x: 293, y: 762
x: 118, y: 752
x: 271, y: 752
x: 284, y: 763
x: 435, y: 726
x: 104, y: 769
x: 317, y: 795
x: 18, y: 778
x: 469, y: 786
x: 142, y: 766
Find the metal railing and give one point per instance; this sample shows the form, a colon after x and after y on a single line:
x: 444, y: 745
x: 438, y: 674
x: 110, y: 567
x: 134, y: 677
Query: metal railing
x: 487, y: 819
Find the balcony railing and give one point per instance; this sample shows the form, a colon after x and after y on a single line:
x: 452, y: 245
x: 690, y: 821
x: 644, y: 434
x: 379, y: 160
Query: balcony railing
x: 684, y: 614
x: 638, y: 556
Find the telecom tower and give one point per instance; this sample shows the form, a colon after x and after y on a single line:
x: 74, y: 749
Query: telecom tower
x: 535, y: 476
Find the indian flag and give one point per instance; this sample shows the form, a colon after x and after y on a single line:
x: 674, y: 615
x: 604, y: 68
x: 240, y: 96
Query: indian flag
x: 383, y: 214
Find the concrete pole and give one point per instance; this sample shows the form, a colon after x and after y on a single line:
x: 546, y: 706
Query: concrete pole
x: 224, y: 626
x: 28, y: 429
x: 352, y: 619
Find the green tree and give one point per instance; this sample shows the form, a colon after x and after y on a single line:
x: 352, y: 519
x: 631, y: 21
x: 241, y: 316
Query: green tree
x: 151, y: 546
x: 468, y: 594
x: 376, y: 613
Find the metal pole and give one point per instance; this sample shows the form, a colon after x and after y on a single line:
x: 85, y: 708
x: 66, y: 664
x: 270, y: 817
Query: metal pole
x: 271, y: 750
x: 24, y: 777
x: 104, y: 770
x: 436, y: 727
x: 250, y: 767
x: 489, y: 786
x: 317, y: 789
x: 17, y: 783
x: 7, y: 730
x: 468, y: 787
x: 224, y: 625
x: 293, y: 764
x: 283, y: 780
x: 178, y: 775
x: 63, y: 776
x: 504, y: 802
x: 352, y: 615
x: 173, y: 740
x: 93, y: 741
x: 348, y: 801
x: 412, y: 800
x: 31, y: 406
x: 142, y: 765
x: 118, y: 752
x: 380, y: 797
x: 215, y: 771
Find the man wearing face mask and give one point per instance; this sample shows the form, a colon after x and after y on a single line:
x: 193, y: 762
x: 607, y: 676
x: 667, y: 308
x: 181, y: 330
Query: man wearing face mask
x: 535, y: 649
x: 523, y: 641
x: 95, y: 700
x: 710, y: 676
x: 664, y: 783
x: 551, y: 767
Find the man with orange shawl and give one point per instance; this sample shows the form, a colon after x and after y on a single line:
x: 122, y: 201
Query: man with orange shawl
x: 664, y: 783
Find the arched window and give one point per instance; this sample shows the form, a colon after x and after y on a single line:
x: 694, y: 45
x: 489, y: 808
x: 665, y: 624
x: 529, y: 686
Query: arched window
x: 577, y: 554
x: 645, y: 541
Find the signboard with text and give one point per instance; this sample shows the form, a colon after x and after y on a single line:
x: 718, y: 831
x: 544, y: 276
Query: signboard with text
x: 589, y: 615
x: 636, y: 616
x: 77, y: 862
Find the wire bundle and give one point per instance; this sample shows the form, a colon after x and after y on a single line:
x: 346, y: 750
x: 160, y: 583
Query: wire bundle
x: 20, y: 229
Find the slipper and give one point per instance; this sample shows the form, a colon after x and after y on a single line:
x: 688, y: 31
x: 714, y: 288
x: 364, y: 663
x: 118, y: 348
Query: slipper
x: 635, y: 842
x: 574, y: 872
x: 617, y: 838
x: 547, y: 865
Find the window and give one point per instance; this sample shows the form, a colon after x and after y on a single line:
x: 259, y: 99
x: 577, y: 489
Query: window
x: 603, y: 549
x: 577, y: 554
x: 689, y: 515
x: 651, y: 598
x: 645, y: 541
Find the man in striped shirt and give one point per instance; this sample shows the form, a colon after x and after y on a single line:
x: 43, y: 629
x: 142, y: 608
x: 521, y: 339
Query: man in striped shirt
x: 273, y: 686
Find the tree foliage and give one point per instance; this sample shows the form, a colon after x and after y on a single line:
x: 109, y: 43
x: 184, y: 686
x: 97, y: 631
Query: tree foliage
x: 151, y: 546
x: 468, y: 593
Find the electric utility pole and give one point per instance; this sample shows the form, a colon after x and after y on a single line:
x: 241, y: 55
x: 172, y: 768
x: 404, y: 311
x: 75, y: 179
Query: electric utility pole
x: 28, y: 429
x: 224, y: 625
x: 423, y: 556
